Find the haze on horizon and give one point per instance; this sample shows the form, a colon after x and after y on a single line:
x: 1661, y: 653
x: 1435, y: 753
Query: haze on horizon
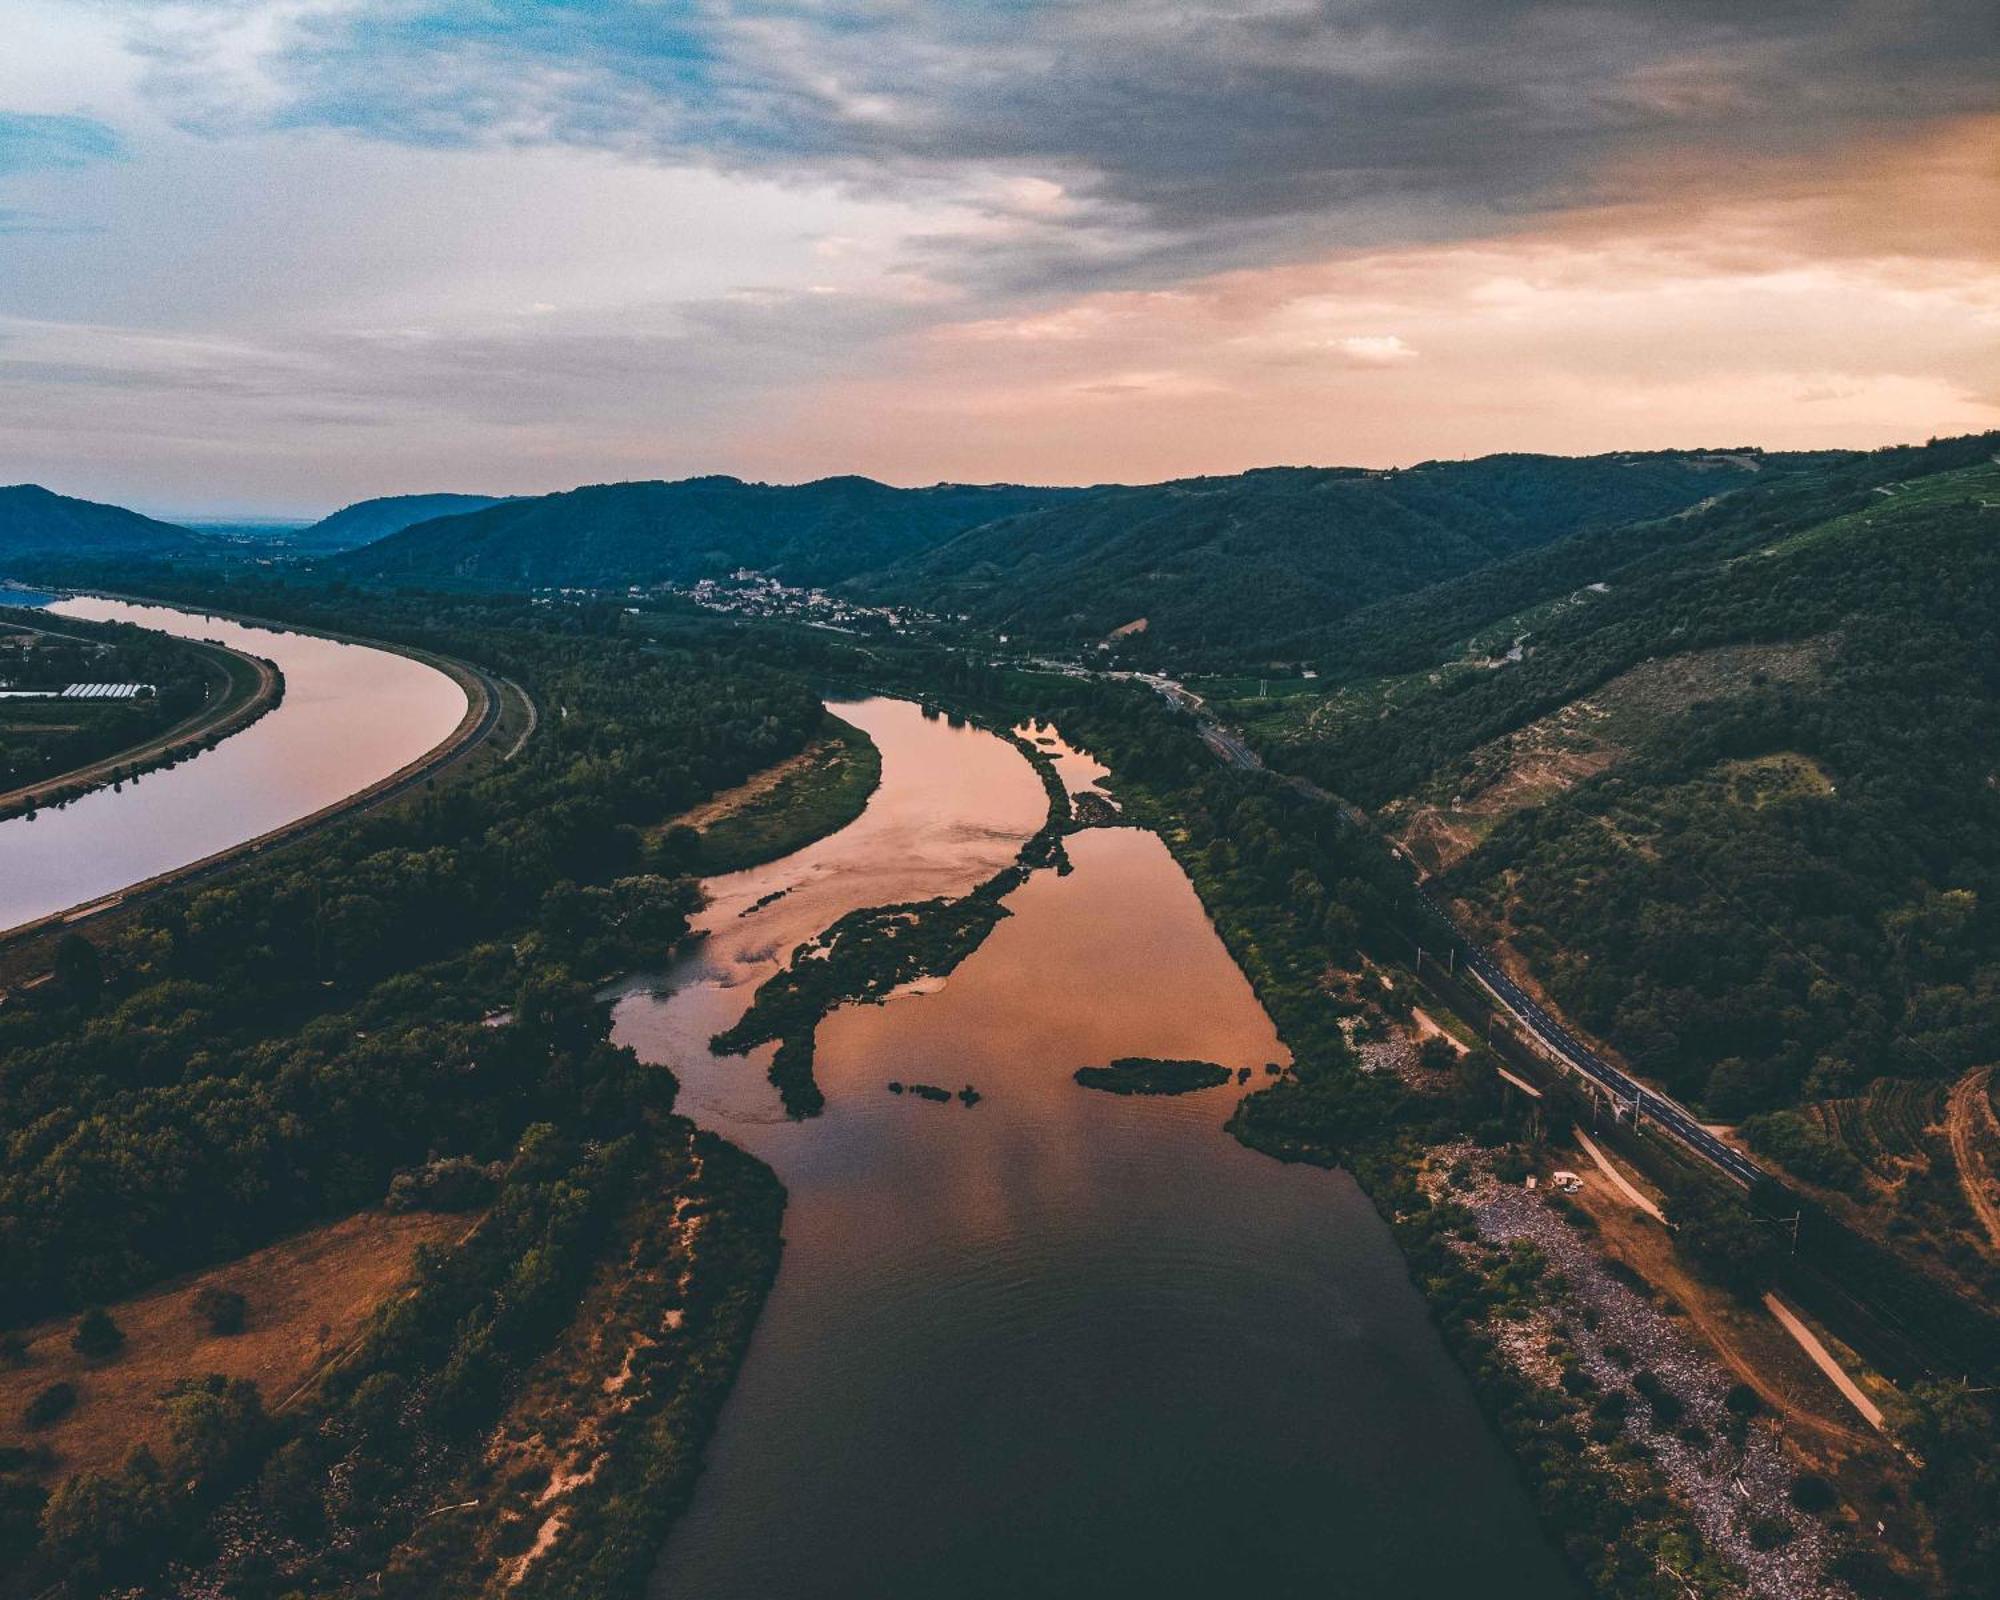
x: 265, y: 258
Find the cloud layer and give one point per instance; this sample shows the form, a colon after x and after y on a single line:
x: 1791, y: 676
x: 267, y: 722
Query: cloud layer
x: 344, y: 238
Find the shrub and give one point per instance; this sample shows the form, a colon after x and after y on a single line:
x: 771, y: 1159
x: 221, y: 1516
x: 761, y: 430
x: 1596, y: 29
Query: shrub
x: 221, y: 1309
x: 52, y: 1404
x: 1812, y: 1493
x: 97, y: 1336
x: 101, y: 1525
x: 1768, y: 1532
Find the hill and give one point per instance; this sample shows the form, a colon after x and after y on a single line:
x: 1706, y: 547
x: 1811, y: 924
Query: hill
x: 625, y: 533
x: 34, y: 522
x: 1234, y: 567
x: 368, y: 520
x: 1732, y: 794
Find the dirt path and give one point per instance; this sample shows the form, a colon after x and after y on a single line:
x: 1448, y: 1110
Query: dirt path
x: 1624, y: 1185
x: 1753, y: 1349
x: 1823, y: 1359
x: 1974, y: 1129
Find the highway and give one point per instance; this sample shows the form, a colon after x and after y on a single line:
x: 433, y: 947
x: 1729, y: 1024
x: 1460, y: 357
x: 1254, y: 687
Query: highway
x: 1633, y: 1096
x: 1626, y: 1090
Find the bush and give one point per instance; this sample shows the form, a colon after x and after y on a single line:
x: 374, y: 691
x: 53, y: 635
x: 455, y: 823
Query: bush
x: 1812, y: 1493
x: 451, y: 1183
x: 52, y: 1404
x: 222, y: 1309
x: 1768, y: 1532
x: 1667, y: 1407
x: 1802, y: 1148
x: 100, y: 1525
x: 97, y: 1336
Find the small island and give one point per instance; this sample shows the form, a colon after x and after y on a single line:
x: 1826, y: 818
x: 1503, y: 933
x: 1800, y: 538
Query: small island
x: 1149, y: 1075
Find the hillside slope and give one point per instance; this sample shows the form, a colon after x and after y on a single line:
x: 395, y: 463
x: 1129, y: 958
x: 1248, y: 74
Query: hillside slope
x: 37, y: 522
x: 1233, y: 567
x: 368, y: 520
x: 1770, y: 871
x: 626, y: 533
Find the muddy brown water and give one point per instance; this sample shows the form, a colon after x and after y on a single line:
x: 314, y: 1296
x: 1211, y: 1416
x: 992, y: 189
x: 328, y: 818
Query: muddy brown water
x: 1059, y: 1342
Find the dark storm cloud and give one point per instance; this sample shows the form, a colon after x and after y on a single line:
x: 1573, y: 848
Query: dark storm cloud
x: 1214, y: 131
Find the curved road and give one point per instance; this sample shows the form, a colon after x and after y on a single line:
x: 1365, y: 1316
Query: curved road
x: 202, y: 723
x: 1230, y: 747
x: 482, y: 717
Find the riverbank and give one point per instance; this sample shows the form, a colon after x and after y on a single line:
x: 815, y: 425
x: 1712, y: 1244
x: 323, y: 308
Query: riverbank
x: 488, y: 712
x: 1636, y: 1508
x: 437, y: 1041
x: 983, y: 1308
x: 780, y: 810
x: 244, y: 688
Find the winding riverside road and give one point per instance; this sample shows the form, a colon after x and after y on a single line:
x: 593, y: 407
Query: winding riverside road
x: 1231, y: 748
x: 360, y: 725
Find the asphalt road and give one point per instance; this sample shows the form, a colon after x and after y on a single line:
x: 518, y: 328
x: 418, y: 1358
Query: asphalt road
x: 1229, y: 747
x: 418, y: 773
x: 1626, y: 1090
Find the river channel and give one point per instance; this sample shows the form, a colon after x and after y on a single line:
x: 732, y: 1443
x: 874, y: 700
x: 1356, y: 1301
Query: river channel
x: 1058, y: 1342
x: 351, y: 716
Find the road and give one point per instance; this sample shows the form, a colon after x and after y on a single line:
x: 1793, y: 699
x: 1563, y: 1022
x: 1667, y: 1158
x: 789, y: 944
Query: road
x: 1630, y: 1095
x: 482, y: 717
x: 205, y: 722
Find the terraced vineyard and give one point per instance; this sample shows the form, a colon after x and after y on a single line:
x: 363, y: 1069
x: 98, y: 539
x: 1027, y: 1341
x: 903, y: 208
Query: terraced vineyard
x: 1911, y: 1194
x: 1894, y: 1130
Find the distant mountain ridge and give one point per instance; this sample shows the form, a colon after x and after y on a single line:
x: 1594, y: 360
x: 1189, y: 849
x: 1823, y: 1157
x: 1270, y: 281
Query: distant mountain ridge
x: 646, y: 532
x: 38, y: 522
x: 1230, y: 564
x: 365, y: 521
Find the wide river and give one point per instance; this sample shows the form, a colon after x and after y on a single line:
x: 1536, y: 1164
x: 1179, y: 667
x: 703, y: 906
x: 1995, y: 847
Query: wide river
x: 351, y: 716
x: 1059, y: 1342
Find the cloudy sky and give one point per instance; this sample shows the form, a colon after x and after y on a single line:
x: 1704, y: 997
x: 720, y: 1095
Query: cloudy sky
x: 266, y: 256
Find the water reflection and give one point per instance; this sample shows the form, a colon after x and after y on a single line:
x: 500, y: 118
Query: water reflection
x: 351, y: 716
x: 1058, y: 1343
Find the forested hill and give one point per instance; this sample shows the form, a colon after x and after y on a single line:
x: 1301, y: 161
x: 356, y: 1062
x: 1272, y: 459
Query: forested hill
x: 36, y: 522
x: 1736, y: 797
x: 1217, y: 567
x: 368, y: 520
x: 625, y: 533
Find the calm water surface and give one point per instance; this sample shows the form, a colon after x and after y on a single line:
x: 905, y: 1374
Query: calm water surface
x: 1058, y: 1343
x: 350, y: 717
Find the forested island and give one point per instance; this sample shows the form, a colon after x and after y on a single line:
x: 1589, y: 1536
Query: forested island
x: 1151, y: 1075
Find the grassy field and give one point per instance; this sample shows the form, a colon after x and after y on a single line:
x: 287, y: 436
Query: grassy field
x: 306, y: 1296
x: 819, y: 790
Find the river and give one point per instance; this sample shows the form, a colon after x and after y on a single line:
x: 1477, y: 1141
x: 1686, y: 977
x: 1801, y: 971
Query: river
x: 1058, y: 1342
x: 351, y: 716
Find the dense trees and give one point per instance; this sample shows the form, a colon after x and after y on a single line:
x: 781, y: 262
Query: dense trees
x: 1783, y: 894
x: 274, y: 1046
x: 1240, y: 568
x: 42, y: 739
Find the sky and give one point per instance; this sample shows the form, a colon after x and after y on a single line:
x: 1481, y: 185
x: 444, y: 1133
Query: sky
x: 264, y: 257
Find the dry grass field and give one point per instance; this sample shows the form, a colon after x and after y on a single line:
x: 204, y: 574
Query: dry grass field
x: 306, y: 1298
